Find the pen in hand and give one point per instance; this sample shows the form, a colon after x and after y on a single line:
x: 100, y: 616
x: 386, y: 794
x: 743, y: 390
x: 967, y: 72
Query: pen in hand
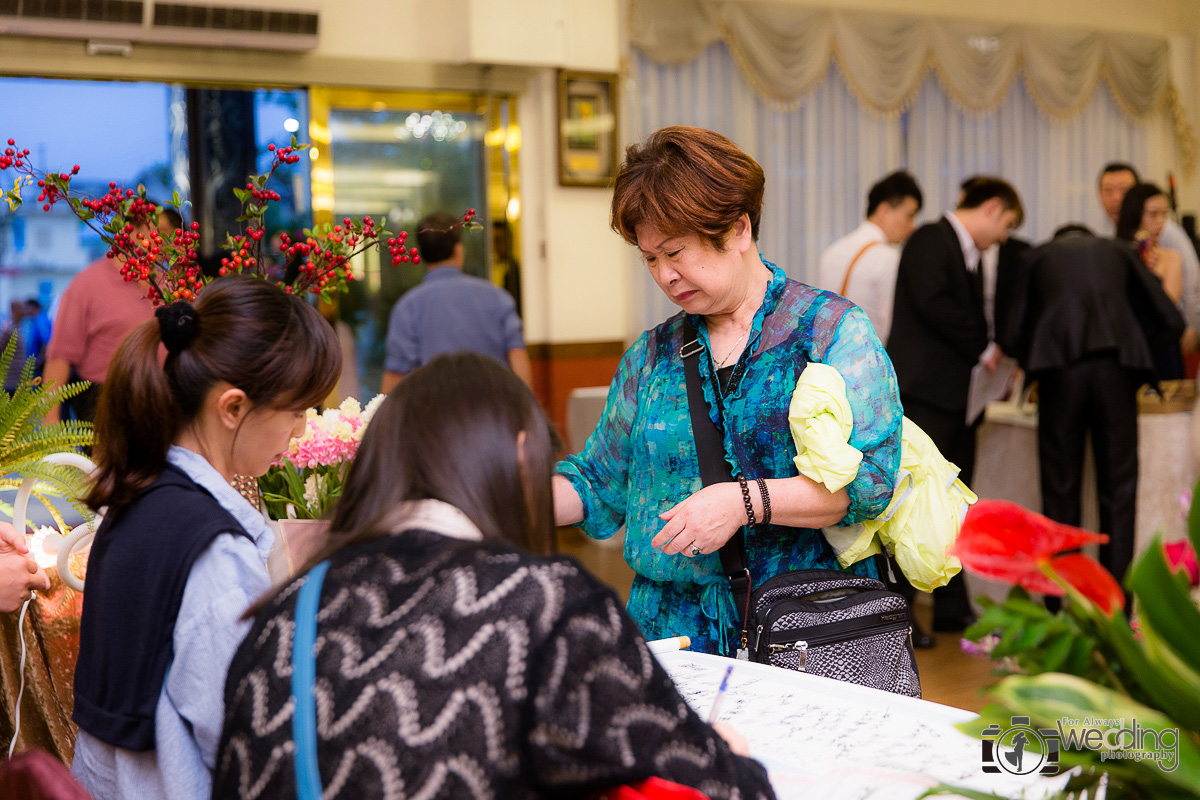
x: 716, y: 707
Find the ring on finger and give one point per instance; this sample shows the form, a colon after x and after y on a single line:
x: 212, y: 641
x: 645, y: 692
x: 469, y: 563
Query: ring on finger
x: 696, y: 550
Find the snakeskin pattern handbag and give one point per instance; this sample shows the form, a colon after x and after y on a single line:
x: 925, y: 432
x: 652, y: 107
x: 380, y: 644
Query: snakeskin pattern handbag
x: 837, y: 625
x: 825, y: 622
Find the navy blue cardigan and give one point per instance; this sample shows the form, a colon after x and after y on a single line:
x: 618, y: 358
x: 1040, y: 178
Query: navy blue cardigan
x: 136, y: 574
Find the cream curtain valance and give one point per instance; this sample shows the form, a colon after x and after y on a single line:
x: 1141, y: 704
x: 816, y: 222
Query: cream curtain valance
x: 784, y: 51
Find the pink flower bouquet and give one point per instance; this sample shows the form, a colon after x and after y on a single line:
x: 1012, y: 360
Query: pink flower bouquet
x: 307, y: 481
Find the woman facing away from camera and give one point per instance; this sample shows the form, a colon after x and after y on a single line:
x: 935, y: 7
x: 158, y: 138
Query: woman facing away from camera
x: 181, y: 555
x: 449, y: 661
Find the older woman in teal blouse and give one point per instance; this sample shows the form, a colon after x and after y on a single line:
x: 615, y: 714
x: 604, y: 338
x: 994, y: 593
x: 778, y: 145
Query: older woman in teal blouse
x: 691, y: 201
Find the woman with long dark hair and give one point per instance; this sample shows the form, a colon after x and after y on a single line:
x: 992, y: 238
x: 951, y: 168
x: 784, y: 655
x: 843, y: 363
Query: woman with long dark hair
x: 447, y: 660
x: 180, y: 554
x: 1141, y: 221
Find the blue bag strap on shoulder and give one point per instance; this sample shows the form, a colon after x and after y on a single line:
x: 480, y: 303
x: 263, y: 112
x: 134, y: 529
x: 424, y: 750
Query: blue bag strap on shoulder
x: 304, y: 672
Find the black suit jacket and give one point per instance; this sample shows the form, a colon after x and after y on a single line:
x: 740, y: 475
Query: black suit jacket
x: 1008, y: 275
x: 938, y: 327
x: 1078, y: 295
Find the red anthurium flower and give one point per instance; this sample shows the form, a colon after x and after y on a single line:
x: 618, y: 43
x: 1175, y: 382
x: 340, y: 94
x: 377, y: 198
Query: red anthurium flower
x: 1006, y: 542
x: 1181, y: 556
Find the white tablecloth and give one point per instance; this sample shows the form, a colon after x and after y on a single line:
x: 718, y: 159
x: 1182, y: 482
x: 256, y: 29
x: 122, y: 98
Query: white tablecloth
x: 821, y: 738
x: 1006, y: 468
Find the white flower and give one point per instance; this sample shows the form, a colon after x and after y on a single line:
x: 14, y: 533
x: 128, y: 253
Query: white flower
x: 368, y: 414
x: 313, y: 486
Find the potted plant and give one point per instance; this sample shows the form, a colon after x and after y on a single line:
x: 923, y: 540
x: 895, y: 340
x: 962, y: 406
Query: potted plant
x: 1116, y: 702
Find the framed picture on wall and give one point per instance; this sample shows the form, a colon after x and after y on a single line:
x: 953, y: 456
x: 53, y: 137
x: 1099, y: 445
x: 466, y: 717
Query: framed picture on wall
x: 587, y: 128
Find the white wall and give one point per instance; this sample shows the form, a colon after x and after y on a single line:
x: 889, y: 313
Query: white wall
x: 576, y: 274
x: 572, y: 266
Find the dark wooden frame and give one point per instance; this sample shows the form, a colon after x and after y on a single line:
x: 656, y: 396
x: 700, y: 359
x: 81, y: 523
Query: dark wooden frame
x: 575, y: 147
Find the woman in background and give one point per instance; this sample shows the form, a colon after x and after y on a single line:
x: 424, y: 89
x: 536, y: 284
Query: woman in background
x: 1141, y: 221
x: 448, y: 660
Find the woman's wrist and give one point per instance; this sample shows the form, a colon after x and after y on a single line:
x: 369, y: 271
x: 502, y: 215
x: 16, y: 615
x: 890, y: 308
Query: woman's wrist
x: 747, y: 501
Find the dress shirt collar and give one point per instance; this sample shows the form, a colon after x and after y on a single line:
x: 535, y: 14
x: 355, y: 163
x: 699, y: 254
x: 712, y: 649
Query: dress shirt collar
x: 969, y: 250
x: 870, y: 232
x: 196, y: 467
x: 433, y: 515
x: 442, y: 272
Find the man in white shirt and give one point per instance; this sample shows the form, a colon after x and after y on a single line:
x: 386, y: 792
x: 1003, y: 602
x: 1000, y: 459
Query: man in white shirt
x: 861, y: 266
x: 1115, y: 180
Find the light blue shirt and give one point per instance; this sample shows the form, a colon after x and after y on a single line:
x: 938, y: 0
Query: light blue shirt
x: 226, y: 578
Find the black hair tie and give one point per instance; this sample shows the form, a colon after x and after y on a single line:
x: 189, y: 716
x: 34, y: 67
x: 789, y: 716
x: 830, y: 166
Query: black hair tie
x: 178, y: 325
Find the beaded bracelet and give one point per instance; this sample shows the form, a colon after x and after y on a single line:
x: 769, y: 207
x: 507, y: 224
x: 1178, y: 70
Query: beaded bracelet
x: 746, y: 497
x: 766, y: 500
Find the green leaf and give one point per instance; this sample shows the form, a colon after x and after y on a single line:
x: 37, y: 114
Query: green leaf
x: 175, y: 199
x: 1057, y: 652
x: 1164, y: 602
x: 1007, y: 645
x: 1033, y: 635
x: 1193, y: 520
x: 1159, y: 686
x: 1051, y: 697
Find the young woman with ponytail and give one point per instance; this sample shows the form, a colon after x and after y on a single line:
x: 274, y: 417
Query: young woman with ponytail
x: 180, y: 555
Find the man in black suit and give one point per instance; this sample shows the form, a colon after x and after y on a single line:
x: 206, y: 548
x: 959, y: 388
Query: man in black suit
x: 1086, y: 313
x: 940, y: 332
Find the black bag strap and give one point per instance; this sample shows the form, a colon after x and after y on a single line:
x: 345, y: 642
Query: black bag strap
x: 710, y: 452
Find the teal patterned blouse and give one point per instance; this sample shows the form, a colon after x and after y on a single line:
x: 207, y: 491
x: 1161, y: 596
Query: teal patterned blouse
x: 641, y: 458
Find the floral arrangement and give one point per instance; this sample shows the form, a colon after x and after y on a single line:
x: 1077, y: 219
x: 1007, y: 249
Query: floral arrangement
x: 169, y: 265
x: 1124, y: 698
x: 308, y: 479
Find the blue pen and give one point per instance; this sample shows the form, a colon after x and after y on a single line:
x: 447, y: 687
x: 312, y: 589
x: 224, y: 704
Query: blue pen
x: 712, y: 715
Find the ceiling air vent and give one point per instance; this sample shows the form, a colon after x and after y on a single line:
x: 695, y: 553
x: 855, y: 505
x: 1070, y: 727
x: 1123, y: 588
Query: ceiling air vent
x: 186, y: 23
x: 234, y: 18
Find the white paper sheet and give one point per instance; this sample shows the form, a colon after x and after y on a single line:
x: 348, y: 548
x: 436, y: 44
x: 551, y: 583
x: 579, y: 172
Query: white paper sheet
x: 822, y: 738
x: 987, y: 387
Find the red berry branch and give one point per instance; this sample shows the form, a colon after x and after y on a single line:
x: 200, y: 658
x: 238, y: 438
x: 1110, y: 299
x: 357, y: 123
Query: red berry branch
x: 169, y: 265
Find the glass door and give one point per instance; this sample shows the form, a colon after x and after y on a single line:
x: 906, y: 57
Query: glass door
x: 399, y: 156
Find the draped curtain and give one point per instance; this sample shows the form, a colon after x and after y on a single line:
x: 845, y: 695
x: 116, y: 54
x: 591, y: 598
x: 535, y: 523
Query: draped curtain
x: 819, y: 158
x: 1054, y: 165
x: 822, y: 148
x: 784, y: 51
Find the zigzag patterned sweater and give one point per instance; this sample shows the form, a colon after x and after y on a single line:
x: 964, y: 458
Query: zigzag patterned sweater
x: 466, y: 670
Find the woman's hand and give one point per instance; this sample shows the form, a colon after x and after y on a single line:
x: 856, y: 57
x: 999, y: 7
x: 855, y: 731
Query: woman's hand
x: 705, y: 520
x: 737, y: 743
x: 19, y: 573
